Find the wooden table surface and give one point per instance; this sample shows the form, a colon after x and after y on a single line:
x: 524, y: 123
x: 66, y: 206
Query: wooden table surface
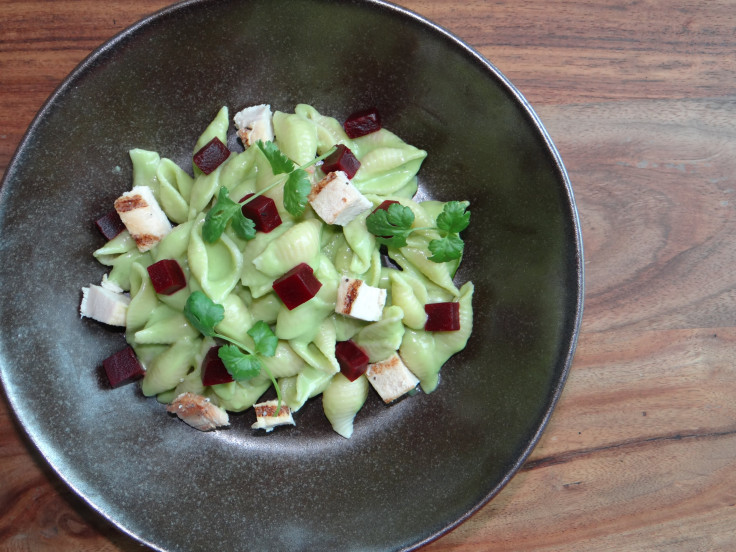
x: 640, y: 99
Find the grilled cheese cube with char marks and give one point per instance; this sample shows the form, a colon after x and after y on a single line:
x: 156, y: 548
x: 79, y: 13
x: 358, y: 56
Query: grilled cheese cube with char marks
x: 357, y: 299
x: 336, y: 200
x: 265, y: 418
x: 143, y: 217
x: 198, y: 412
x: 254, y: 123
x: 391, y: 378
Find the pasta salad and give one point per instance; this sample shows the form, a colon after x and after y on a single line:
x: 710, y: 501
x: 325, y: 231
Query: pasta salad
x: 301, y: 264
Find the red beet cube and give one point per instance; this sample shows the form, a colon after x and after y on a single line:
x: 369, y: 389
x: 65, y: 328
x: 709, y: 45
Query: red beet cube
x: 263, y: 212
x: 442, y: 317
x: 362, y: 122
x: 342, y: 159
x: 385, y: 205
x: 167, y: 276
x: 352, y: 359
x: 213, y: 369
x: 297, y: 286
x: 110, y: 224
x: 122, y: 367
x: 211, y: 156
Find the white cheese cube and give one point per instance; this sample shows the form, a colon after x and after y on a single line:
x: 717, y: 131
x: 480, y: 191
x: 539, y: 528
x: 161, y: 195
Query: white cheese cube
x: 391, y: 378
x: 336, y: 200
x: 104, y: 305
x: 265, y: 418
x: 357, y: 299
x: 143, y: 217
x: 254, y: 123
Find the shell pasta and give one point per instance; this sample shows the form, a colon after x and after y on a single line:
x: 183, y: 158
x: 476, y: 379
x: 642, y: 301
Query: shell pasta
x: 364, y: 291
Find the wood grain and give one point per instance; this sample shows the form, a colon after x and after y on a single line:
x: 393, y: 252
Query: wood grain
x: 638, y: 96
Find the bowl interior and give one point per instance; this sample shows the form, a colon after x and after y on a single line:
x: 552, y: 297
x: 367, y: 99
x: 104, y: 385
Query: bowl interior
x: 411, y: 471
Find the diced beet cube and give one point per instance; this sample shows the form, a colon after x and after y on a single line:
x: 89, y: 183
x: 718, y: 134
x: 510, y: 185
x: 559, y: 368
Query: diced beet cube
x: 167, y: 276
x: 362, y: 122
x: 385, y: 205
x: 211, y: 155
x: 352, y: 359
x: 263, y: 212
x: 442, y: 317
x: 342, y: 159
x: 122, y: 367
x: 297, y: 286
x: 213, y: 369
x: 110, y: 224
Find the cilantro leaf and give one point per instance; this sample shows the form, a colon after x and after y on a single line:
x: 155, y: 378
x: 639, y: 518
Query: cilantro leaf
x: 280, y: 164
x: 244, y: 227
x: 203, y: 313
x: 296, y: 190
x: 240, y: 365
x: 400, y: 216
x: 396, y: 241
x: 264, y: 338
x: 391, y: 226
x: 453, y: 218
x: 218, y: 217
x: 446, y: 249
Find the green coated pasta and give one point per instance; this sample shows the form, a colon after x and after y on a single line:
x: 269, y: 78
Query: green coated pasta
x: 237, y: 396
x: 215, y: 266
x: 251, y: 278
x: 310, y: 382
x: 267, y: 345
x: 424, y: 353
x: 382, y: 339
x: 299, y: 244
x: 361, y: 242
x: 165, y: 326
x: 296, y: 136
x: 175, y: 187
x: 168, y: 368
x: 342, y: 400
x: 218, y: 128
x: 408, y: 293
x: 144, y: 300
x: 145, y: 167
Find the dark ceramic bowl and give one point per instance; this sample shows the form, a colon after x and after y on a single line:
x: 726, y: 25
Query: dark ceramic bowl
x: 410, y: 472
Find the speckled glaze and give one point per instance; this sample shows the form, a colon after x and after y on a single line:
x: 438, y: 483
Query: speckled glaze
x: 411, y: 471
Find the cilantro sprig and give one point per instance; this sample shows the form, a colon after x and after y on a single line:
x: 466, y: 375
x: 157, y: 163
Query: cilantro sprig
x: 393, y: 225
x: 296, y: 190
x: 241, y: 362
x: 223, y: 211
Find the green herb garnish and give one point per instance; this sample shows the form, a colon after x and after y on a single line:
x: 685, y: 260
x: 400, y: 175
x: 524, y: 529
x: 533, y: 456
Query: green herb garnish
x: 297, y: 185
x: 264, y: 338
x: 392, y: 227
x: 280, y: 164
x: 240, y: 366
x: 240, y: 361
x: 224, y: 210
x: 296, y: 191
x: 203, y: 313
